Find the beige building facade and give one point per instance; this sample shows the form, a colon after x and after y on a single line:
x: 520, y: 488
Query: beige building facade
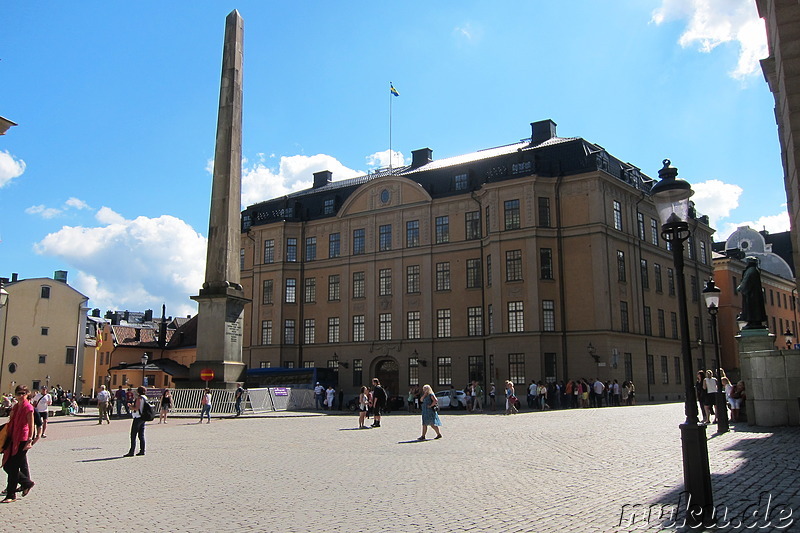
x: 541, y: 260
x: 43, y: 335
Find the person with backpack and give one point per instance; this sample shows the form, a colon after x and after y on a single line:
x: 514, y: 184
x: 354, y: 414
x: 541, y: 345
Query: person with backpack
x: 141, y: 411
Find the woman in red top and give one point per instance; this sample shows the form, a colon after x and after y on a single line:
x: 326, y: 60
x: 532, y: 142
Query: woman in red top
x: 15, y: 460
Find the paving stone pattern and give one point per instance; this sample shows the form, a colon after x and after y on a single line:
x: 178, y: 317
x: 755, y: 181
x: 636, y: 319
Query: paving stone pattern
x: 570, y: 470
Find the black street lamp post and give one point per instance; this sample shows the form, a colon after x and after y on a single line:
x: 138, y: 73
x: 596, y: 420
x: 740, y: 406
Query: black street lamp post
x: 144, y: 364
x: 711, y: 294
x: 671, y: 197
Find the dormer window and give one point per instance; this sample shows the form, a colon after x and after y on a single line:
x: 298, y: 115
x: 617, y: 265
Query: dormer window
x: 461, y: 182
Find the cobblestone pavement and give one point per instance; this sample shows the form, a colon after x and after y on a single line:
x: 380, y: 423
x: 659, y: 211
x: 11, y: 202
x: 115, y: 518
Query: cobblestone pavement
x: 553, y: 471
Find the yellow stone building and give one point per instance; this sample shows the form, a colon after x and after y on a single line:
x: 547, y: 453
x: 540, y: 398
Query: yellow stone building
x: 538, y: 260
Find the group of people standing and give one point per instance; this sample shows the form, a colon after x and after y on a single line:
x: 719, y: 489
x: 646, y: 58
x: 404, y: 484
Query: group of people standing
x: 707, y: 388
x: 371, y: 401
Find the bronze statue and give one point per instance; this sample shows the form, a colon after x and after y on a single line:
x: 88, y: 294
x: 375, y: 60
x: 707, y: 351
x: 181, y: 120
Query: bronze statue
x: 753, y: 304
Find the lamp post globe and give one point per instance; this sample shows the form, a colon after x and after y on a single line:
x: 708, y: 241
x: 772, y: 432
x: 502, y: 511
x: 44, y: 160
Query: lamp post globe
x: 711, y: 294
x: 671, y: 198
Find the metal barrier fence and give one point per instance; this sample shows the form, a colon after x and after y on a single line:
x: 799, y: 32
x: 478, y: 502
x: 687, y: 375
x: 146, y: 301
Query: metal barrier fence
x: 223, y: 401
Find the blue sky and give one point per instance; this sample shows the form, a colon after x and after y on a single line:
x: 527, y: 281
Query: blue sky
x: 107, y: 175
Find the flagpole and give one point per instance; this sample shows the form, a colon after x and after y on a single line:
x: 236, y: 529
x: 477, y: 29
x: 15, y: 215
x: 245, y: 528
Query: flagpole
x: 390, y: 128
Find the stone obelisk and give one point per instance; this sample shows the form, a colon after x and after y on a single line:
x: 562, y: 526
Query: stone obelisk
x: 221, y: 300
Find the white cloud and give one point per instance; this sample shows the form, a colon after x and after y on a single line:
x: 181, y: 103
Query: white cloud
x: 772, y: 223
x: 10, y: 168
x: 715, y: 22
x: 294, y: 173
x: 76, y: 203
x: 381, y: 159
x: 44, y: 211
x: 716, y: 199
x: 133, y: 264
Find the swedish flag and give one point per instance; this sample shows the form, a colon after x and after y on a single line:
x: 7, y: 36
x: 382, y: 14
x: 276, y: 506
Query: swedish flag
x: 393, y: 90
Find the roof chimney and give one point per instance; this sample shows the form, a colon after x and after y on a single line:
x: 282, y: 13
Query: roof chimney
x: 542, y: 131
x: 420, y: 157
x: 60, y: 275
x: 322, y: 178
x: 14, y: 277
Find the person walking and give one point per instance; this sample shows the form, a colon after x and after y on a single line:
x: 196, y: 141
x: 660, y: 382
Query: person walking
x: 20, y: 439
x: 363, y: 407
x: 319, y: 395
x: 430, y: 413
x: 492, y: 396
x: 511, y: 399
x: 138, y: 423
x: 165, y: 405
x: 330, y: 397
x: 239, y: 398
x: 103, y: 398
x: 205, y: 406
x: 41, y: 402
x: 121, y: 400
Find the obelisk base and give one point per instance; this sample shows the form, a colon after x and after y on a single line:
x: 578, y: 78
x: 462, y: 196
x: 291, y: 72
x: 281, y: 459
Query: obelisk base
x: 220, y: 321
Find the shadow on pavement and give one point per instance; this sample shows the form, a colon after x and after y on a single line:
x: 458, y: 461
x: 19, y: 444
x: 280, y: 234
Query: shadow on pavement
x: 101, y: 459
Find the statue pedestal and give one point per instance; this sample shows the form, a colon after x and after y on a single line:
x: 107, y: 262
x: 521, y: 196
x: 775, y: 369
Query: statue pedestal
x: 772, y: 380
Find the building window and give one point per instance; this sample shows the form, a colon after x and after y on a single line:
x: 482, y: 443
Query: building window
x: 359, y: 285
x: 442, y: 229
x: 311, y: 248
x: 703, y: 254
x: 241, y: 258
x: 516, y: 368
x: 291, y: 290
x: 621, y: 274
x: 677, y: 370
x: 358, y: 328
x: 269, y: 251
x: 488, y: 270
x: 698, y: 328
x: 511, y: 210
x: 617, y: 215
x: 385, y: 237
x: 490, y: 317
x: 657, y: 275
x: 628, y: 366
x: 45, y: 291
x: 473, y: 273
x: 310, y: 292
x: 45, y: 331
x: 261, y: 364
x: 472, y: 220
x: 288, y: 331
x: 623, y: 315
x: 444, y: 366
x: 309, y: 330
x: 412, y: 233
x: 412, y: 279
x: 648, y: 321
x: 333, y: 288
x: 328, y: 206
x: 385, y: 282
x: 359, y: 241
x: 266, y: 332
x: 690, y: 247
x: 644, y: 274
x: 651, y: 370
x: 358, y: 372
x: 475, y: 368
x: 266, y: 296
x: 548, y: 315
x: 664, y: 370
x: 654, y: 231
x: 70, y: 358
x: 516, y: 317
x: 309, y: 364
x: 662, y: 328
x: 474, y: 321
x: 385, y: 323
x: 514, y: 265
x: 413, y: 325
x: 413, y: 371
x: 695, y: 288
x: 461, y: 182
x: 334, y: 245
x: 544, y: 212
x: 670, y: 282
x: 333, y: 329
x: 443, y: 323
x: 287, y: 364
x: 546, y: 263
x: 640, y: 225
x: 488, y: 226
x: 291, y: 250
x: 673, y: 318
x: 443, y: 276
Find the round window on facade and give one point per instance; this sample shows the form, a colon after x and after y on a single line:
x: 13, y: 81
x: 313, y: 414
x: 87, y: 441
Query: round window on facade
x: 14, y: 341
x: 12, y: 367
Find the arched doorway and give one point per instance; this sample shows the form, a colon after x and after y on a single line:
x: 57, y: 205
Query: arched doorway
x: 388, y: 372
